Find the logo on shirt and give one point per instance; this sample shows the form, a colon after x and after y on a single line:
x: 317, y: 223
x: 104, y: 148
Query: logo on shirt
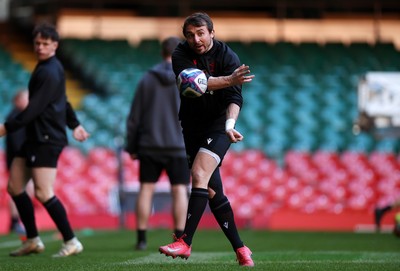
x: 209, y: 140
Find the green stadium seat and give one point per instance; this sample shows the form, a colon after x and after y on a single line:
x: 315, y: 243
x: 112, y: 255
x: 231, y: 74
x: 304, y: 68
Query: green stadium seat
x: 303, y: 96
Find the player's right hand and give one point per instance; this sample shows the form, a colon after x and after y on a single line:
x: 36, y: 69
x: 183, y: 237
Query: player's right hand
x: 234, y: 136
x: 3, y: 130
x: 80, y: 133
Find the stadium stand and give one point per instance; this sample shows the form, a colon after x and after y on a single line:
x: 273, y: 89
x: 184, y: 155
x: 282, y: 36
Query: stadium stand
x: 12, y: 77
x: 304, y: 96
x: 299, y: 155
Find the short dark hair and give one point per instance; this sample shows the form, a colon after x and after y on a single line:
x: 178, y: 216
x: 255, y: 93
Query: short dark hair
x: 168, y: 46
x: 198, y: 19
x: 47, y: 31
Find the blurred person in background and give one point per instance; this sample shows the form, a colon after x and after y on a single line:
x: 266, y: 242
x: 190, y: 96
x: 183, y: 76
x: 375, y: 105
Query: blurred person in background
x: 380, y: 212
x: 45, y: 119
x: 154, y: 137
x: 208, y: 124
x: 13, y: 144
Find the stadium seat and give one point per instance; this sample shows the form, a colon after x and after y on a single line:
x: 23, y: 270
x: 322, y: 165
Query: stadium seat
x: 299, y: 150
x: 286, y: 93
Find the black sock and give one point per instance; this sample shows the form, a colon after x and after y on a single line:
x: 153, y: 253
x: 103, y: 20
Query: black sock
x: 178, y: 233
x: 57, y: 212
x: 386, y: 208
x: 197, y: 204
x: 26, y: 213
x: 141, y: 236
x: 223, y: 213
x: 14, y: 221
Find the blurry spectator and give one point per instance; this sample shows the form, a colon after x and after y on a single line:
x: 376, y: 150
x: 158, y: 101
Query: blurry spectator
x: 14, y: 143
x: 154, y: 137
x: 379, y: 212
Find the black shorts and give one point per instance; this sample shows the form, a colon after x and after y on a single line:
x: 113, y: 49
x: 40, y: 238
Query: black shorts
x: 151, y: 167
x: 216, y: 142
x: 40, y: 155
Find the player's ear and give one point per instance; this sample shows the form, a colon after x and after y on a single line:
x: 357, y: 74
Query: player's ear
x: 212, y: 34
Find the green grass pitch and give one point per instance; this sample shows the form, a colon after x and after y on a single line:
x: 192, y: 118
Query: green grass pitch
x: 272, y: 250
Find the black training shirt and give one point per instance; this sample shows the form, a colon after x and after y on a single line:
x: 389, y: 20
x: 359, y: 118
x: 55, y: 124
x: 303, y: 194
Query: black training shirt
x: 48, y: 110
x: 208, y: 112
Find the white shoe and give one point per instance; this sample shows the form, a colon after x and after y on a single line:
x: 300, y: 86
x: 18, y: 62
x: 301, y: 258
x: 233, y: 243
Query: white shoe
x: 32, y: 245
x: 71, y: 247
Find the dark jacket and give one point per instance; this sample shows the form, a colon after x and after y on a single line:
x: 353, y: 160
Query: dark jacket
x: 153, y: 125
x: 208, y: 112
x: 48, y: 112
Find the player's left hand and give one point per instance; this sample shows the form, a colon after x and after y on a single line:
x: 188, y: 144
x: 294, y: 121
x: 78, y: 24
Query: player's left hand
x: 80, y: 133
x: 3, y: 130
x: 241, y: 75
x: 234, y: 136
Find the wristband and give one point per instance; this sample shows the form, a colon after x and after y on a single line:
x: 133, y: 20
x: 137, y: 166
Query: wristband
x: 229, y: 124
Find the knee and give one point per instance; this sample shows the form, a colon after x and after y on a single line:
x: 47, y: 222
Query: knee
x: 14, y: 190
x: 200, y: 178
x: 198, y: 174
x: 179, y: 189
x: 10, y: 190
x: 43, y: 196
x: 147, y: 189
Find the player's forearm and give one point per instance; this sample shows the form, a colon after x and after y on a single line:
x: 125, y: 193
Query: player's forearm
x: 238, y: 77
x: 72, y: 119
x: 215, y: 83
x: 232, y: 111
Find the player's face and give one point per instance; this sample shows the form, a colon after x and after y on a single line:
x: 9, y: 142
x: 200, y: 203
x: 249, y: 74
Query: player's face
x: 199, y: 38
x: 44, y: 48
